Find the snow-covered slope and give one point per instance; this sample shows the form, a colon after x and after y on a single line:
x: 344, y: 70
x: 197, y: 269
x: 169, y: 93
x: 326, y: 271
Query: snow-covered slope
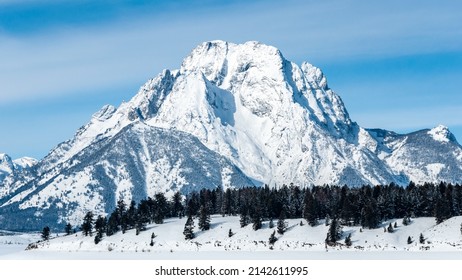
x: 445, y: 237
x: 423, y: 156
x: 247, y: 115
x: 137, y: 162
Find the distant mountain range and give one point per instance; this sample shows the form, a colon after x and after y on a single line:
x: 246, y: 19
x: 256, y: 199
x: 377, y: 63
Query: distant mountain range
x: 233, y: 115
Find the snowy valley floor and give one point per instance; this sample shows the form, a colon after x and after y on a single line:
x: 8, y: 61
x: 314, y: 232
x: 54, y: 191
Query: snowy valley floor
x: 443, y: 241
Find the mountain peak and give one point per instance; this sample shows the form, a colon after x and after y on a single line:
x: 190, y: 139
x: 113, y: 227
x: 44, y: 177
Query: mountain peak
x: 104, y: 113
x: 25, y: 162
x: 441, y: 133
x: 4, y: 157
x: 8, y: 166
x: 224, y: 62
x: 315, y: 74
x: 221, y: 47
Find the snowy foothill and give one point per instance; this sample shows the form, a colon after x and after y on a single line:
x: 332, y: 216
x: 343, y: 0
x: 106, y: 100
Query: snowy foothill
x: 300, y: 241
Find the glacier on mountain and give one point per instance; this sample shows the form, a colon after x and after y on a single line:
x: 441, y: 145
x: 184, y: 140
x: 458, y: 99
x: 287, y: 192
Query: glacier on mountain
x: 233, y: 115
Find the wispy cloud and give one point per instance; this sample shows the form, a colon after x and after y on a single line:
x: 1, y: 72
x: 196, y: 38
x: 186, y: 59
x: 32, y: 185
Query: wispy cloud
x: 129, y: 50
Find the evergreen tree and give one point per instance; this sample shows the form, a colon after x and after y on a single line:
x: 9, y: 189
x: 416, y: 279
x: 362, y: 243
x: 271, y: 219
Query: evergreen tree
x: 390, y: 228
x: 206, y: 199
x: 441, y: 210
x: 421, y: 239
x: 120, y: 210
x: 140, y: 223
x: 188, y: 228
x: 257, y: 222
x: 281, y: 225
x: 409, y: 240
x: 296, y: 201
x: 161, y: 208
x: 406, y: 221
x: 152, y: 239
x: 369, y: 216
x: 204, y: 218
x: 335, y: 231
x: 121, y: 216
x: 310, y: 209
x: 283, y: 196
x: 192, y: 204
x: 350, y: 209
x: 124, y: 222
x: 143, y: 214
x: 257, y: 216
x: 271, y: 224
x: 100, y: 226
x: 227, y: 203
x: 131, y: 215
x: 97, y: 239
x: 177, y: 205
x: 348, y: 240
x: 68, y: 229
x: 230, y: 233
x: 87, y: 225
x: 217, y: 199
x: 151, y: 209
x: 112, y: 224
x: 273, y: 238
x: 395, y: 225
x: 46, y: 233
x: 244, y: 219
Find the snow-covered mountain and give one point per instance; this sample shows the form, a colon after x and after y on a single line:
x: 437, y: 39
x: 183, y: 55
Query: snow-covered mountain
x: 10, y: 168
x: 429, y: 155
x: 137, y: 162
x: 6, y: 166
x: 232, y: 115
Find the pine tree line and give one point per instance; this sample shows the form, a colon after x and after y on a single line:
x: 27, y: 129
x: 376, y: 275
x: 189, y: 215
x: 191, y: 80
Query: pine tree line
x: 366, y: 206
x: 135, y: 216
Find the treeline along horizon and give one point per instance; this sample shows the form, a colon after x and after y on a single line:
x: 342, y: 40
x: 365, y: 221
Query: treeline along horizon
x: 365, y: 206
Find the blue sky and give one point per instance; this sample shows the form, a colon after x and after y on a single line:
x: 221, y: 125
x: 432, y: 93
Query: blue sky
x: 396, y: 64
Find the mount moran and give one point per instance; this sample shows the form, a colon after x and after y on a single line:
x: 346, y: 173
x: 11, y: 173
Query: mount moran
x: 233, y: 115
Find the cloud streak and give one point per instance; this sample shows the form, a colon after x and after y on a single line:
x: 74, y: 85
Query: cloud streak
x: 73, y: 60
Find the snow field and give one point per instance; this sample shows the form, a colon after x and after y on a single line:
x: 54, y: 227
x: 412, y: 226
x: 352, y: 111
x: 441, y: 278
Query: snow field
x: 444, y: 237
